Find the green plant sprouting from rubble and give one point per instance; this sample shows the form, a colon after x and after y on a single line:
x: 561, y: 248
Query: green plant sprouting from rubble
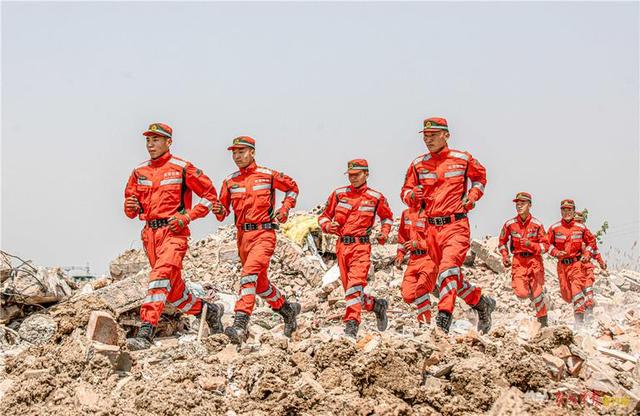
x: 601, y: 231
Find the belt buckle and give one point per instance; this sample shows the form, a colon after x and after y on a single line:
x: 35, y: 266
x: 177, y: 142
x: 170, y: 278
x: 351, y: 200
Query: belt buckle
x: 249, y: 227
x: 439, y: 221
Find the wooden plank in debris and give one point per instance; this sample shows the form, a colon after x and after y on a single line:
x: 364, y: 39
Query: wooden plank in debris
x: 618, y: 354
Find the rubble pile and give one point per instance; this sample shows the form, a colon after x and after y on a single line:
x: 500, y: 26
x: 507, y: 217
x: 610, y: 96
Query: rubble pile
x: 69, y: 355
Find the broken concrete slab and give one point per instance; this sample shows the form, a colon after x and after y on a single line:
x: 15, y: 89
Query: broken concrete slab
x: 487, y: 252
x: 102, y: 327
x: 38, y: 329
x: 555, y: 366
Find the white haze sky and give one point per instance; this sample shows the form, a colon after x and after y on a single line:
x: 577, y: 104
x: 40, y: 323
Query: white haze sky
x: 545, y: 95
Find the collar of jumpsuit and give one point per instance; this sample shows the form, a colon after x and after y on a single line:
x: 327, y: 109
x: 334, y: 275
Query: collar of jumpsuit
x: 567, y: 223
x: 442, y: 154
x: 161, y: 160
x: 359, y: 190
x: 525, y: 221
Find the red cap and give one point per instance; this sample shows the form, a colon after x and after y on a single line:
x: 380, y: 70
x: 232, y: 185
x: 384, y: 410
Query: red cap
x: 357, y: 165
x: 158, y: 129
x: 435, y: 124
x: 242, y: 141
x: 567, y: 203
x: 522, y: 196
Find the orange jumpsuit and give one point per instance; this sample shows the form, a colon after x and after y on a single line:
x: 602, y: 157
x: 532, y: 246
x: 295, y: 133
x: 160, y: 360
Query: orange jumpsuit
x: 164, y: 186
x: 443, y: 177
x: 420, y: 275
x: 589, y: 270
x: 569, y: 236
x: 355, y: 210
x: 528, y: 243
x: 251, y: 192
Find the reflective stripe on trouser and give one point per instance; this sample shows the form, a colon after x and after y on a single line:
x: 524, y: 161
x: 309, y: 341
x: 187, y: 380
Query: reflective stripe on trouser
x: 354, y: 261
x: 589, y: 280
x: 527, y: 281
x: 255, y: 249
x: 572, y: 280
x: 419, y: 280
x: 448, y: 246
x: 165, y: 251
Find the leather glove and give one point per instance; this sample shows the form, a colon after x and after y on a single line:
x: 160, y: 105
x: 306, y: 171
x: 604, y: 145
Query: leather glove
x: 179, y: 221
x: 505, y: 261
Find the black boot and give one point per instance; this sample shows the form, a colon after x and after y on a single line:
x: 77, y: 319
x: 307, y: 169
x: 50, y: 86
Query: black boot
x: 289, y: 312
x: 237, y: 333
x: 143, y: 338
x: 443, y: 321
x: 485, y: 307
x: 351, y: 329
x: 543, y: 321
x: 214, y: 317
x: 380, y: 309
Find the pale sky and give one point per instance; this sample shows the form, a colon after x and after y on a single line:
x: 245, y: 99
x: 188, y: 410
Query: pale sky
x: 545, y: 95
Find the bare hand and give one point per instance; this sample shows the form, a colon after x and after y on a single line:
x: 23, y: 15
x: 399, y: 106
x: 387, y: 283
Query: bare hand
x: 398, y: 261
x: 217, y: 208
x: 506, y: 262
x: 333, y: 227
x: 560, y: 254
x: 418, y: 192
x: 409, y: 245
x: 132, y: 204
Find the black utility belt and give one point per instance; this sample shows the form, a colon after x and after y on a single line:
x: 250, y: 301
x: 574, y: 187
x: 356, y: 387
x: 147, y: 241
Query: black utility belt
x: 348, y: 239
x: 158, y: 223
x: 418, y: 252
x: 252, y: 226
x: 571, y: 260
x: 525, y: 254
x: 439, y: 221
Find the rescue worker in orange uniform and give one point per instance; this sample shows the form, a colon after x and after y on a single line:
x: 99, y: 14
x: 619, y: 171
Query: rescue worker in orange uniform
x: 566, y: 241
x: 438, y: 182
x: 420, y: 276
x: 251, y: 193
x: 580, y: 217
x: 350, y: 214
x: 159, y: 192
x: 528, y: 243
